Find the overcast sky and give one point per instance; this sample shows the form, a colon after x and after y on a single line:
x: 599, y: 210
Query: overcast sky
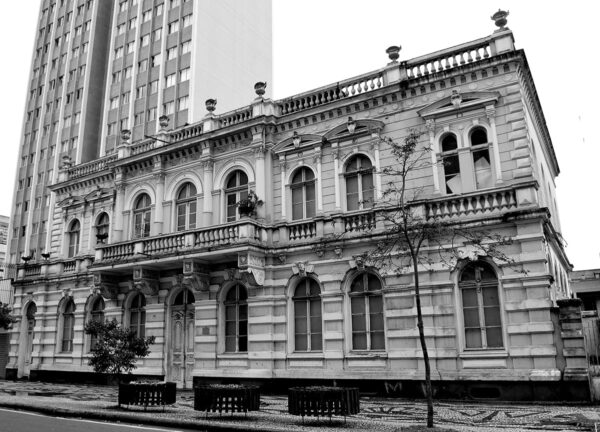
x: 317, y: 42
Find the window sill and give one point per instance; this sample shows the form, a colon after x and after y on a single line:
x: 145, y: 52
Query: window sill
x: 307, y: 354
x: 483, y: 353
x: 367, y: 354
x: 225, y: 356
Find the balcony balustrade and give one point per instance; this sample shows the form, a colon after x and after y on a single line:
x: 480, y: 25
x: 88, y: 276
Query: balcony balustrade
x: 56, y: 267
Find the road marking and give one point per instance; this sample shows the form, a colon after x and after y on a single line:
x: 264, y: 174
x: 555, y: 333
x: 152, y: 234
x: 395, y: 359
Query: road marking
x: 92, y: 421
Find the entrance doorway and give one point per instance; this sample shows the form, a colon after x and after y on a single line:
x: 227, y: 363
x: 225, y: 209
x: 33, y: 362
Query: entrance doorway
x: 28, y: 334
x: 181, y: 351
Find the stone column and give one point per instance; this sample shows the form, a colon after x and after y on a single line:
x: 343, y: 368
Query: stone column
x: 434, y: 166
x: 282, y: 169
x: 207, y: 208
x: 490, y: 112
x: 117, y: 224
x: 375, y: 148
x: 317, y: 161
x: 336, y: 174
x: 160, y: 197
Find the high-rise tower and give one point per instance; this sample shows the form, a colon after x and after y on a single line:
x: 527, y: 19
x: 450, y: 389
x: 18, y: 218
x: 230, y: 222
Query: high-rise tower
x: 102, y: 66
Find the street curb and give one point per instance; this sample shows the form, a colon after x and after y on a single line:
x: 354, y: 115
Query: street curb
x: 145, y: 418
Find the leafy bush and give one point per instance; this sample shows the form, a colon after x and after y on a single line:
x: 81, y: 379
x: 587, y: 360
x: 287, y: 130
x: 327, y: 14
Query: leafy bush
x: 117, y: 348
x: 6, y: 318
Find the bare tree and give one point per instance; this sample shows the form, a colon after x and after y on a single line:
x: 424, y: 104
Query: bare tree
x: 408, y: 230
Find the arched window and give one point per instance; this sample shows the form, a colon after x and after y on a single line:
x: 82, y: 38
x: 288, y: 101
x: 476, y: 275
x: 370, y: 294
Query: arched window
x: 478, y: 286
x: 137, y: 315
x: 102, y: 225
x: 236, y: 189
x: 303, y: 194
x: 481, y: 158
x: 96, y: 314
x: 186, y: 207
x: 141, y: 216
x: 74, y: 231
x: 68, y: 325
x: 236, y: 319
x: 366, y: 304
x: 308, y: 333
x: 452, y: 178
x: 359, y: 183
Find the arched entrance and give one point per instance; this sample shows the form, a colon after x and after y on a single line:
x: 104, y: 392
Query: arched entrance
x: 27, y: 335
x: 181, y: 348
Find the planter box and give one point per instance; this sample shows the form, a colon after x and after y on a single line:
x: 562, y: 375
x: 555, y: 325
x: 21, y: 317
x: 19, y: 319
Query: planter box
x: 227, y: 398
x: 322, y: 401
x: 147, y: 394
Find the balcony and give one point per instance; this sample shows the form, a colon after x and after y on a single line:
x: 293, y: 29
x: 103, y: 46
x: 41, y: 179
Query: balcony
x: 54, y: 268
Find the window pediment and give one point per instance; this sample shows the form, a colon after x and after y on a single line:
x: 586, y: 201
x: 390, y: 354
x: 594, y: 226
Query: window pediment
x: 71, y: 201
x: 298, y: 142
x: 361, y: 127
x: 458, y: 102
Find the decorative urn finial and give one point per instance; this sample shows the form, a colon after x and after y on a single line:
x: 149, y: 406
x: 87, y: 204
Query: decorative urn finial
x: 499, y: 19
x: 125, y: 135
x: 259, y: 88
x: 393, y: 52
x: 456, y: 98
x: 211, y: 104
x: 163, y: 121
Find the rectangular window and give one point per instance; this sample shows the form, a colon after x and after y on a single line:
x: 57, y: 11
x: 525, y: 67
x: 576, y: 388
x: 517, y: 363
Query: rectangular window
x: 128, y: 72
x: 142, y: 65
x: 154, y: 87
x: 172, y: 53
x: 182, y: 103
x: 132, y: 22
x: 151, y: 115
x: 125, y: 97
x: 169, y: 108
x: 123, y: 6
x: 119, y: 52
x: 147, y: 16
x: 158, y: 10
x: 112, y: 129
x: 173, y: 26
x: 156, y: 59
x: 174, y: 3
x: 114, y: 102
x: 187, y: 20
x: 116, y: 77
x: 184, y: 74
x: 130, y: 47
x: 170, y: 80
x: 140, y: 92
x: 120, y: 29
x: 138, y: 118
x: 186, y: 47
x: 124, y: 123
x: 145, y: 40
x: 156, y: 34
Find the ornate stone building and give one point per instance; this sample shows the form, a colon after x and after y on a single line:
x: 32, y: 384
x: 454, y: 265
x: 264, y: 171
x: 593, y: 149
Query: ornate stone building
x: 153, y: 236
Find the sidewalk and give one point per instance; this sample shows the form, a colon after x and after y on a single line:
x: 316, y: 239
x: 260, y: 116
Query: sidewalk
x: 377, y: 414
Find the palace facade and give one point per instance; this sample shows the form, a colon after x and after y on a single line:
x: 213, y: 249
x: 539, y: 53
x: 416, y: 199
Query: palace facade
x: 152, y: 234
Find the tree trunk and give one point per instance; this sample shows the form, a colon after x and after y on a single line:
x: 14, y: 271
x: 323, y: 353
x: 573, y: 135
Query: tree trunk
x: 428, y: 390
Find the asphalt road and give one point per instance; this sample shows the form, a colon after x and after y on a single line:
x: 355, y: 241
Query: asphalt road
x: 21, y: 421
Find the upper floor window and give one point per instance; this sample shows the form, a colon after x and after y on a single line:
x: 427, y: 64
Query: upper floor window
x: 137, y: 315
x: 452, y: 178
x: 482, y: 167
x: 359, y: 183
x: 303, y: 194
x: 308, y: 333
x: 186, y: 207
x: 236, y: 319
x: 478, y: 285
x: 68, y: 326
x: 74, y: 231
x: 141, y: 216
x: 236, y: 189
x: 366, y: 304
x: 102, y: 225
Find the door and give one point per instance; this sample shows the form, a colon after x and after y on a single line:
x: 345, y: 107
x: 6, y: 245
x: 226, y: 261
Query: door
x: 182, y: 340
